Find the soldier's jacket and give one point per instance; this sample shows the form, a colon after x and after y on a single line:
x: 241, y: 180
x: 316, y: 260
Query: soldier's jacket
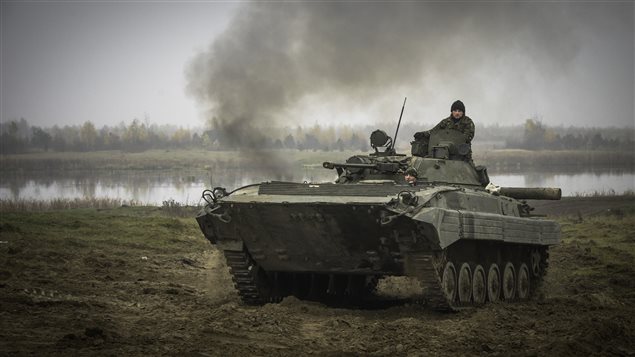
x: 464, y: 125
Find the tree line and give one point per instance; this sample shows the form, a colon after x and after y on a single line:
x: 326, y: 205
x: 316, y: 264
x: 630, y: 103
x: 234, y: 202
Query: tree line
x: 538, y: 136
x: 18, y: 136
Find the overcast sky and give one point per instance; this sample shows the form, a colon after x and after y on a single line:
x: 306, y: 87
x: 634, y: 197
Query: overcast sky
x: 68, y: 62
x: 293, y: 63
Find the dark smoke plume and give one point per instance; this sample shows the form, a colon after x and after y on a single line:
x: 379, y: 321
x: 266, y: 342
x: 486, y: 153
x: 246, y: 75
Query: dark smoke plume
x: 275, y: 55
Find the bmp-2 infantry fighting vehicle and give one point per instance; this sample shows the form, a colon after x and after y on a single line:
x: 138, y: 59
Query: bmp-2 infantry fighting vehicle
x: 332, y: 241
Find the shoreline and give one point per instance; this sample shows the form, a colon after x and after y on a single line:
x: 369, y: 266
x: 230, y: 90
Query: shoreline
x: 576, y: 206
x: 496, y: 160
x: 567, y: 206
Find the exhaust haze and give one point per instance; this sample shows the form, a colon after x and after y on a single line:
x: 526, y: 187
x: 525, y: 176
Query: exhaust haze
x: 329, y: 62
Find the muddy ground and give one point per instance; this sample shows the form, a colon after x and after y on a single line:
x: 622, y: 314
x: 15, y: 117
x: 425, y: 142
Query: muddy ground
x: 134, y: 281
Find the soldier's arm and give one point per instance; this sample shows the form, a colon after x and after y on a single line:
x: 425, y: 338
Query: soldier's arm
x: 469, y: 131
x: 439, y: 126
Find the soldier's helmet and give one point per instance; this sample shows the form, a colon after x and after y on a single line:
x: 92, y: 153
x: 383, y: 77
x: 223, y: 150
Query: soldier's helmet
x: 411, y: 171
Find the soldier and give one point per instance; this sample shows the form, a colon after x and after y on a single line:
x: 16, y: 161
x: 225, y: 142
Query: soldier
x: 459, y: 121
x: 411, y: 176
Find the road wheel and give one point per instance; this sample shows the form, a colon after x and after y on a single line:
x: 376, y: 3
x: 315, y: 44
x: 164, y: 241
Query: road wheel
x: 509, y: 282
x: 523, y: 289
x: 479, y: 289
x: 493, y: 283
x: 448, y: 281
x: 465, y: 284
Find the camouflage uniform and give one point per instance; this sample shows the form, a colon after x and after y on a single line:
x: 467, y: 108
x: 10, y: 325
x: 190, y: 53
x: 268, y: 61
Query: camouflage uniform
x: 464, y: 125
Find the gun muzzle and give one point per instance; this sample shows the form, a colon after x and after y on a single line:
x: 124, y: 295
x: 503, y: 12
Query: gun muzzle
x: 536, y: 193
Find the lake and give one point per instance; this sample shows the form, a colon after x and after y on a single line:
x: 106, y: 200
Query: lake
x: 154, y: 187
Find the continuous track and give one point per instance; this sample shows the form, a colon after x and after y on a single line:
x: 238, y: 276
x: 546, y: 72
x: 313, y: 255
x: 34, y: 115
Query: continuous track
x: 245, y: 276
x: 423, y: 267
x: 255, y: 286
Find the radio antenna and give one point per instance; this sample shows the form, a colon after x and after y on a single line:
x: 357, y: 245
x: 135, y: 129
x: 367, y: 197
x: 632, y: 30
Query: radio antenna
x: 398, y: 124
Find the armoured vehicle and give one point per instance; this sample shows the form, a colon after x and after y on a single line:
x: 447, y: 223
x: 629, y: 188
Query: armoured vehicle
x: 331, y: 241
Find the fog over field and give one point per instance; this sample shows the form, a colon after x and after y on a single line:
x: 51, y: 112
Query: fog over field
x: 569, y: 63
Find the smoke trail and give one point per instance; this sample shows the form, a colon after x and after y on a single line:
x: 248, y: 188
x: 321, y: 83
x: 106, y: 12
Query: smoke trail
x: 274, y: 55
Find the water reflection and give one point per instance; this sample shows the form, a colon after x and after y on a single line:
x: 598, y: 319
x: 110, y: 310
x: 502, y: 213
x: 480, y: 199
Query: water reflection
x: 571, y: 184
x: 151, y: 187
x: 154, y: 187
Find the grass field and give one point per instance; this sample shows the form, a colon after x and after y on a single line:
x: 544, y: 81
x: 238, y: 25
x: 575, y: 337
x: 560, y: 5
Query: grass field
x: 150, y: 227
x: 515, y: 160
x: 22, y: 205
x: 165, y: 159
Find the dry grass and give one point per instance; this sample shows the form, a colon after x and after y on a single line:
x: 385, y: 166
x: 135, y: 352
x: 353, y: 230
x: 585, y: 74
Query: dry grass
x: 513, y: 160
x: 169, y: 208
x: 176, y: 209
x: 166, y: 160
x: 609, y: 193
x: 21, y: 205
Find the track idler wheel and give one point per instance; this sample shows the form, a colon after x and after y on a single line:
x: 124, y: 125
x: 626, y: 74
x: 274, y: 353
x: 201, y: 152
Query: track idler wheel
x: 448, y: 282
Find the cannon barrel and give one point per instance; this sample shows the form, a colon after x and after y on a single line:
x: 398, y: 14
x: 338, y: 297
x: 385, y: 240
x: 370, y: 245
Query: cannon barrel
x: 535, y: 193
x: 381, y: 166
x: 332, y: 165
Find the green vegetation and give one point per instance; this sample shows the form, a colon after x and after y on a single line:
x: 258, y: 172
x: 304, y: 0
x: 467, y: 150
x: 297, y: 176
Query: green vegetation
x: 8, y: 205
x: 166, y: 160
x: 610, y: 193
x: 608, y: 237
x: 121, y: 229
x: 495, y: 160
x: 18, y: 136
x: 170, y: 207
x: 596, y: 255
x: 537, y: 135
x: 614, y: 229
